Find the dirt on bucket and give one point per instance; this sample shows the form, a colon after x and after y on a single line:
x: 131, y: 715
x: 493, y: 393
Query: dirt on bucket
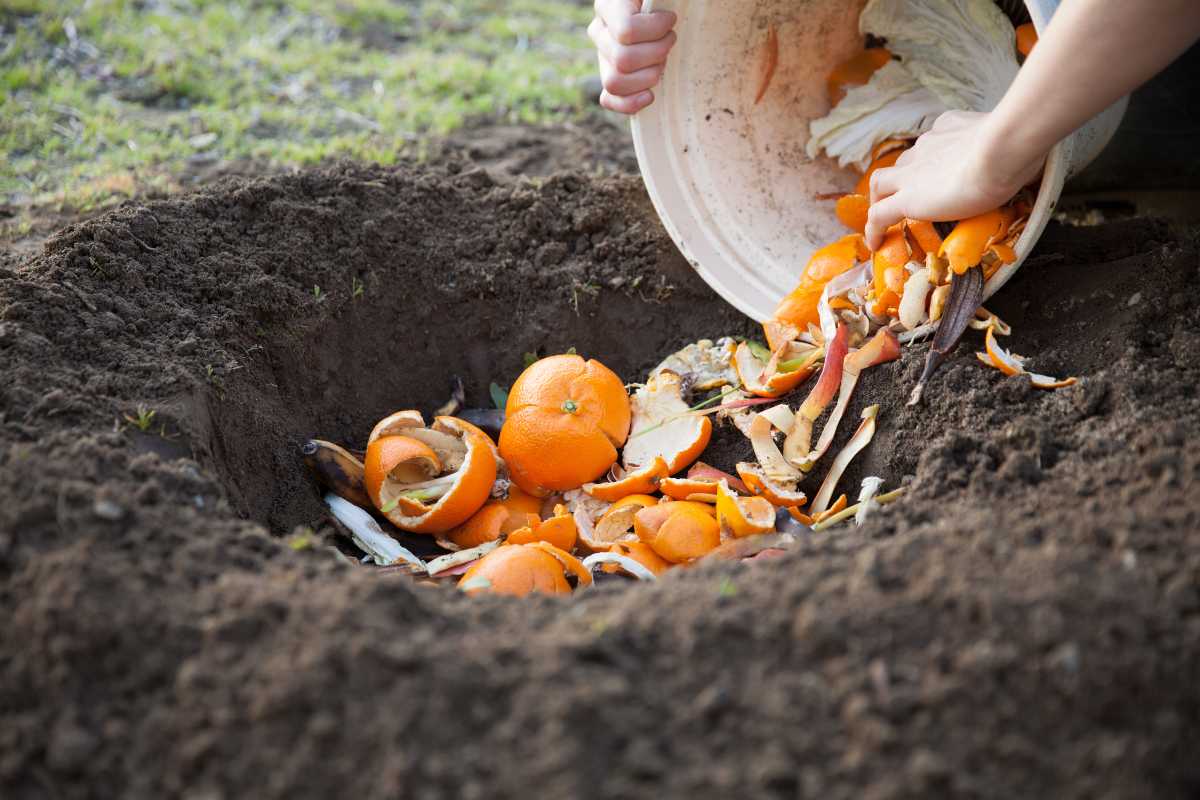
x: 1025, y: 622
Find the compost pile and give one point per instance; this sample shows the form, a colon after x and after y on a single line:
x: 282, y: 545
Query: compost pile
x: 181, y: 620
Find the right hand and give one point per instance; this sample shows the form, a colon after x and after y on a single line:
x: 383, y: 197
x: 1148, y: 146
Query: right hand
x: 632, y: 48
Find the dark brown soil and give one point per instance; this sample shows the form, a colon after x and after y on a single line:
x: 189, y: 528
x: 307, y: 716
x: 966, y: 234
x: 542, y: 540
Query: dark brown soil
x: 1026, y: 623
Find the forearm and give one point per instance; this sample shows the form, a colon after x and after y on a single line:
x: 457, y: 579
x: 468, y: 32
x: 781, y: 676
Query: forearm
x: 1092, y: 53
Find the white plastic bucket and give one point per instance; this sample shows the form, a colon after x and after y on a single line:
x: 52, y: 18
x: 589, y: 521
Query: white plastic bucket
x: 730, y: 179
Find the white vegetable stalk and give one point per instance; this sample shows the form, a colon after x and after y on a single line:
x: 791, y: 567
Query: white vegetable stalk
x: 370, y: 538
x: 634, y: 568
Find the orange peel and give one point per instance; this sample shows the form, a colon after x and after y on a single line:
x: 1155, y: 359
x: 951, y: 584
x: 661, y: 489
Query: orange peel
x: 855, y: 71
x: 485, y: 525
x: 1012, y: 364
x: 616, y: 524
x: 559, y: 530
x: 743, y: 516
x: 637, y: 481
x: 769, y: 63
x: 761, y: 485
x: 972, y: 238
x: 851, y: 211
x: 685, y: 532
x: 451, y: 464
x: 1026, y: 38
x: 664, y: 427
x: 519, y: 570
x: 641, y: 553
x: 762, y: 381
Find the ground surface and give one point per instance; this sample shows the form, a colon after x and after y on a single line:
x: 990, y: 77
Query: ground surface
x: 110, y: 99
x: 1025, y: 624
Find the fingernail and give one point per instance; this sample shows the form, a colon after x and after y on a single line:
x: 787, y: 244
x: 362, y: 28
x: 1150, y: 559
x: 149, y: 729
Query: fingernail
x: 643, y: 98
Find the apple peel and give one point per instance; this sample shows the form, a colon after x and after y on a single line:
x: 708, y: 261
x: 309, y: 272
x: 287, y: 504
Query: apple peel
x: 799, y: 435
x: 882, y: 348
x: 861, y: 438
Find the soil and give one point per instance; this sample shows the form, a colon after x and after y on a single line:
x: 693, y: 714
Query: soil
x: 1024, y: 623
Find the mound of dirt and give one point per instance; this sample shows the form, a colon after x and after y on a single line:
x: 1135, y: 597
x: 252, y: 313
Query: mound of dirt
x: 1026, y: 622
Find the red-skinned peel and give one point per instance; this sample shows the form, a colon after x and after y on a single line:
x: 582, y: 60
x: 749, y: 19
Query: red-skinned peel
x: 880, y: 349
x: 799, y: 439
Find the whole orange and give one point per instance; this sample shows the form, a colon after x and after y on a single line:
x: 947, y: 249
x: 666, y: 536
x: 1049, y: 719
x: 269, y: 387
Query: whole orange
x: 564, y: 421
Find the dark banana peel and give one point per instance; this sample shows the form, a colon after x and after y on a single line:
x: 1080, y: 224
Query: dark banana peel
x: 489, y: 420
x: 966, y: 295
x: 337, y: 470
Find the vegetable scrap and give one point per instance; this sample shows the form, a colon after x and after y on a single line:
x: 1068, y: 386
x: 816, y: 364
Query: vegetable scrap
x: 589, y: 478
x: 940, y: 55
x: 575, y: 476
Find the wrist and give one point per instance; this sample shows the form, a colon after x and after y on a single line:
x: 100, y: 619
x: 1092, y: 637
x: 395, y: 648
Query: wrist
x: 1006, y: 157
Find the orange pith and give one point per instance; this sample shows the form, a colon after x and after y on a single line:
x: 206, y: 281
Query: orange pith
x: 616, y: 524
x: 459, y: 460
x: 565, y: 419
x: 663, y: 428
x: 640, y: 552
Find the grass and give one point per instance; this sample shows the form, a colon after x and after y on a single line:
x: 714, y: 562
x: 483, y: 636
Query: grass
x: 102, y: 99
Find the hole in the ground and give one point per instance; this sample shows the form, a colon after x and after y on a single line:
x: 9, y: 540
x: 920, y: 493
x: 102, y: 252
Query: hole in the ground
x: 335, y: 373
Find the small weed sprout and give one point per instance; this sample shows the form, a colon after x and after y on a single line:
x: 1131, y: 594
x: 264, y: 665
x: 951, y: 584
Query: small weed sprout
x: 143, y: 418
x: 316, y: 293
x: 357, y: 289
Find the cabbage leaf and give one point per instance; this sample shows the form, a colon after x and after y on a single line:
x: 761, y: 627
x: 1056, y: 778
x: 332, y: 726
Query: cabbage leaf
x: 892, y: 104
x: 964, y: 51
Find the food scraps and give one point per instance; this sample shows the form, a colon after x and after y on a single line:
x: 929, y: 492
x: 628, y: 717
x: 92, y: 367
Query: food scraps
x: 575, y: 478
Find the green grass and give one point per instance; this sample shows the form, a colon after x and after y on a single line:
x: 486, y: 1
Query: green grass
x: 99, y: 99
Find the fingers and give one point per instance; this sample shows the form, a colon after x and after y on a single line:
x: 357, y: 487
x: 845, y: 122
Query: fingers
x: 630, y: 57
x: 627, y: 26
x: 884, y: 182
x: 626, y: 105
x: 954, y: 120
x: 623, y: 84
x: 880, y: 217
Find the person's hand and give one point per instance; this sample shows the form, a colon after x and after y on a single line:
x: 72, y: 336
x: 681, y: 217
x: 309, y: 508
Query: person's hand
x: 956, y: 170
x: 632, y: 48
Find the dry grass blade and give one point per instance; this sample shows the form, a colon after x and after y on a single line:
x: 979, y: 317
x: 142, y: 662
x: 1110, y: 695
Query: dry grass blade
x: 966, y: 295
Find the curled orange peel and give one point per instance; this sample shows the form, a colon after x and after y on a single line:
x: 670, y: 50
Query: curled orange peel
x: 855, y: 71
x: 780, y: 495
x: 688, y: 532
x: 664, y: 426
x: 642, y: 480
x: 743, y: 516
x: 559, y: 530
x: 430, y: 479
x: 616, y: 524
x: 1011, y: 364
